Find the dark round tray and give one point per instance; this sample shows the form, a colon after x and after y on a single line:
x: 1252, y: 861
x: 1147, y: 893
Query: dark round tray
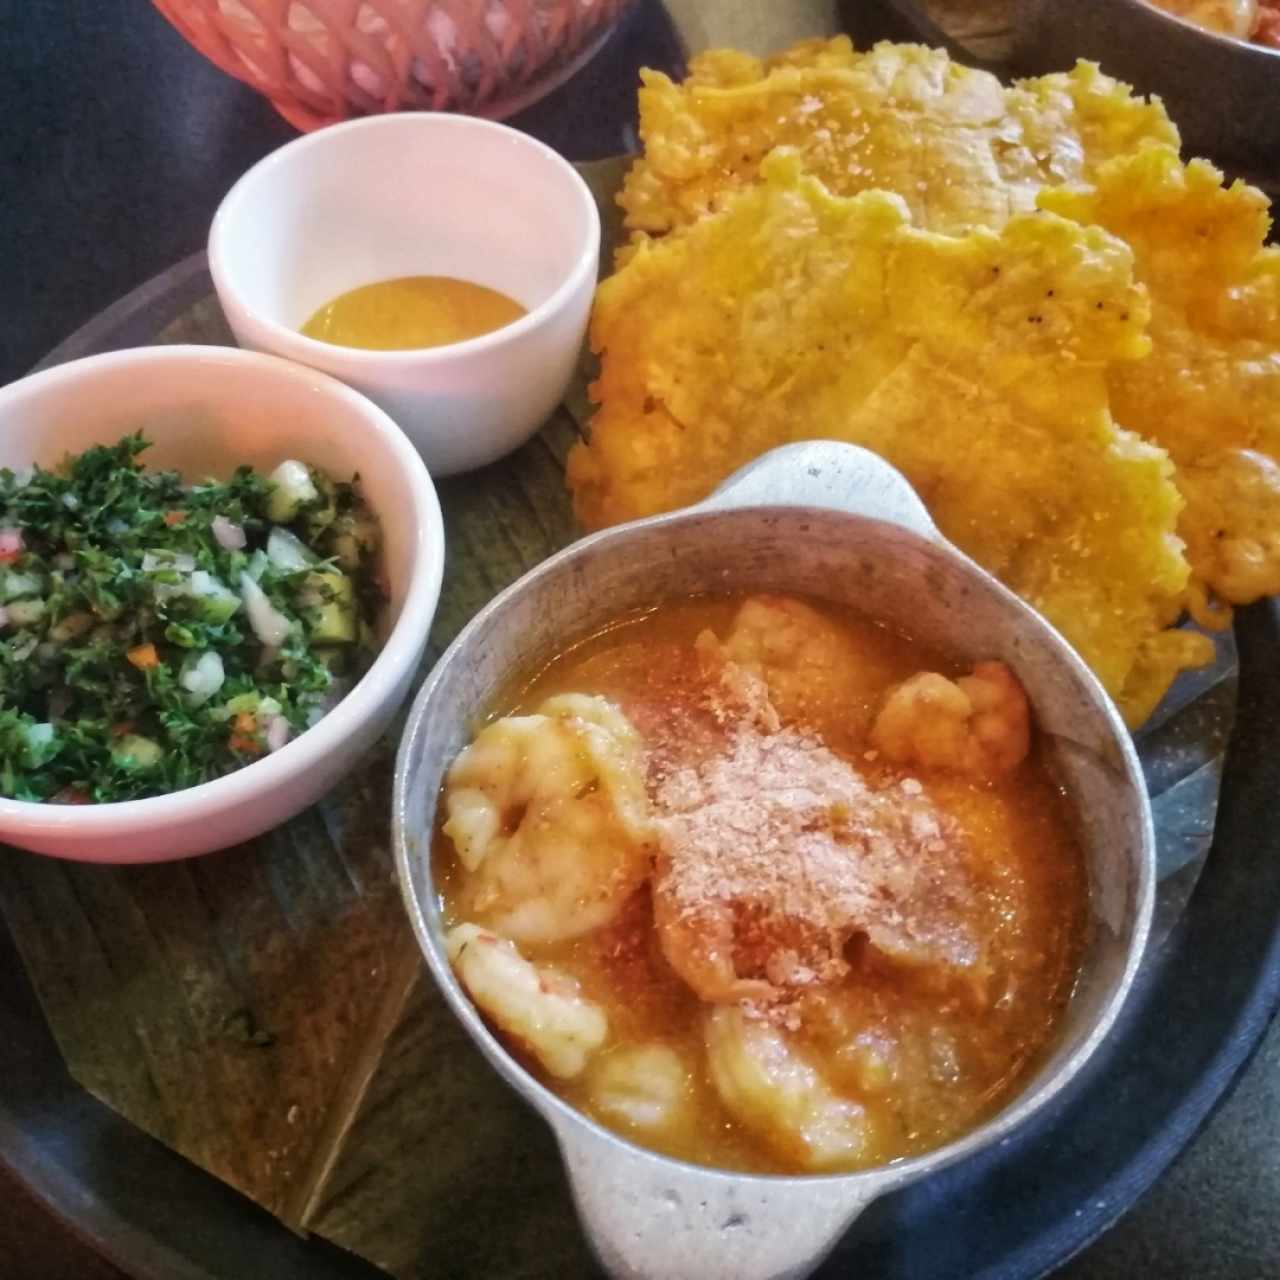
x: 1204, y: 999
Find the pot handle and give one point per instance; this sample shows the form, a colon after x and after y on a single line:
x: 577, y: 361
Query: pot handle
x: 652, y: 1219
x: 829, y: 474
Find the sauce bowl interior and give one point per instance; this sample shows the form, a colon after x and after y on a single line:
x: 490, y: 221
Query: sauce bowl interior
x: 401, y: 195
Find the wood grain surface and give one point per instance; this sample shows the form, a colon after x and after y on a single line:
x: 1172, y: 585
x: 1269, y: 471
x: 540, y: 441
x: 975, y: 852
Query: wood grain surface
x: 33, y: 1246
x: 263, y: 1011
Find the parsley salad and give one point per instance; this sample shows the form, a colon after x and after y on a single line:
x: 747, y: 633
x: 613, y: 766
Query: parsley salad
x: 155, y: 635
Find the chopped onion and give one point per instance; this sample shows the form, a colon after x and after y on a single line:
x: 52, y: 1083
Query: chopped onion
x: 229, y: 536
x: 278, y: 732
x: 219, y: 602
x: 38, y: 736
x: 11, y: 543
x: 257, y: 565
x: 203, y: 677
x: 268, y: 623
x: 168, y: 561
x: 288, y: 552
x: 291, y: 489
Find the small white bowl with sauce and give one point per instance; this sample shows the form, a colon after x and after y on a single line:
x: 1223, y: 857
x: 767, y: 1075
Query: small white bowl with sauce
x: 411, y: 195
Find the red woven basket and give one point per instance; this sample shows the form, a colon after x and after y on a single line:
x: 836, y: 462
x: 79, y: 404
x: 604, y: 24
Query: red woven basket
x: 320, y: 61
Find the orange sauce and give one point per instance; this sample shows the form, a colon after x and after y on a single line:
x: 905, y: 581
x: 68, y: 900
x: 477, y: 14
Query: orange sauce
x: 926, y: 1054
x: 412, y: 312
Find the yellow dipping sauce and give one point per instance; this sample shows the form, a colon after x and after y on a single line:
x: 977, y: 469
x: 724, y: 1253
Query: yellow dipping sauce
x: 412, y: 311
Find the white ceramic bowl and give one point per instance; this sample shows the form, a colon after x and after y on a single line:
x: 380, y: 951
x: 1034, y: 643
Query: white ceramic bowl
x: 208, y: 410
x: 418, y: 194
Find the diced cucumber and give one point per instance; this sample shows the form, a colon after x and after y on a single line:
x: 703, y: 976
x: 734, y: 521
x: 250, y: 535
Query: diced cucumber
x: 333, y: 624
x: 252, y: 703
x: 331, y: 614
x: 182, y: 636
x: 161, y: 560
x: 133, y: 751
x: 41, y: 744
x: 241, y: 704
x: 215, y: 601
x: 292, y: 488
x: 22, y: 647
x: 316, y: 519
x: 351, y: 538
x: 257, y: 565
x: 288, y: 552
x: 325, y: 585
x: 14, y: 585
x: 25, y: 613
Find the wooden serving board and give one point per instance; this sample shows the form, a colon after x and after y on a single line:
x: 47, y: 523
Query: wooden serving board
x: 265, y: 1012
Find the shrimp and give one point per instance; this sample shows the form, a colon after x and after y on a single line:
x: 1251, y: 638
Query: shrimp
x: 768, y: 1088
x: 645, y: 1086
x: 549, y: 815
x: 1228, y: 17
x: 702, y: 947
x: 979, y: 724
x: 772, y: 854
x: 813, y: 671
x: 540, y: 1008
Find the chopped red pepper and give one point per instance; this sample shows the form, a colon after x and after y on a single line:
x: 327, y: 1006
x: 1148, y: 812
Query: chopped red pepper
x: 144, y: 657
x: 71, y: 795
x: 1267, y: 31
x: 244, y: 736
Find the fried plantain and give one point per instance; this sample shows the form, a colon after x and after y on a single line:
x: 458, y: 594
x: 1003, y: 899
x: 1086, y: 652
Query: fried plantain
x: 977, y: 363
x: 961, y: 148
x: 1209, y: 392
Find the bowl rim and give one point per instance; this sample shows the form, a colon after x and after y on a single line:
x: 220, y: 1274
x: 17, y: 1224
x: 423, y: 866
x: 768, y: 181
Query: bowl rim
x: 361, y: 359
x: 426, y: 568
x: 564, y: 1117
x: 1220, y: 38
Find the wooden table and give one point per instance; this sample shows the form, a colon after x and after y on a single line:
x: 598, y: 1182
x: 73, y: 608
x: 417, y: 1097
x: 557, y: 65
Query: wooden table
x: 36, y: 1246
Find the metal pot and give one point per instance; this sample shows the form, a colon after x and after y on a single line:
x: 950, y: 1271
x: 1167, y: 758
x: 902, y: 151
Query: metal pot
x: 833, y: 521
x: 1220, y: 92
